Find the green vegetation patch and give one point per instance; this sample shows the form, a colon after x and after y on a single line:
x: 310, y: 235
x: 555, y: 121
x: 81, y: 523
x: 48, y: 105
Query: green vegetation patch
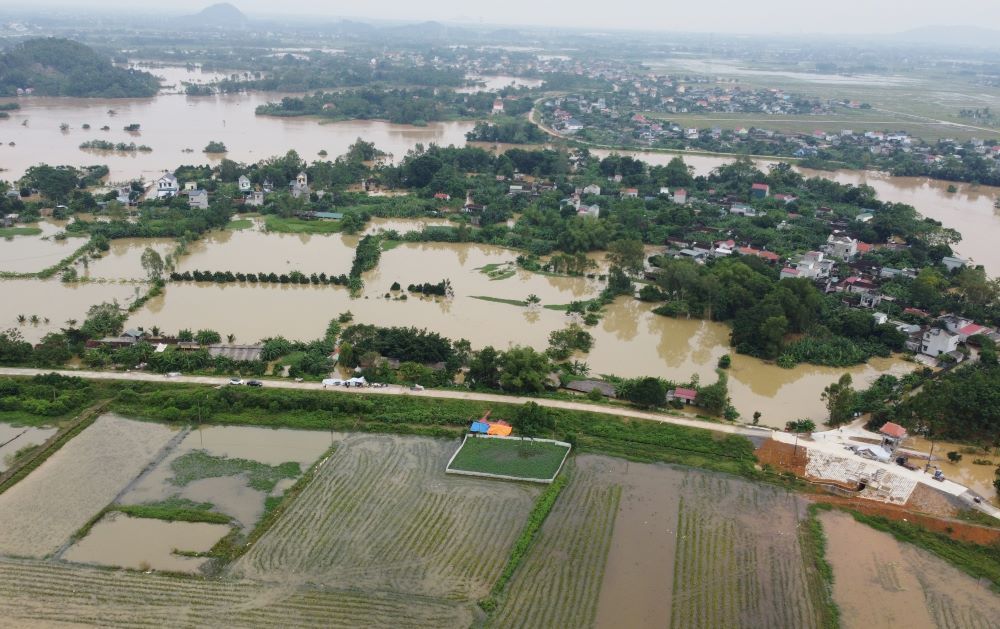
x: 510, y: 457
x: 819, y: 570
x: 175, y: 510
x: 498, y: 271
x: 300, y: 226
x: 239, y: 223
x: 10, y: 232
x: 198, y: 464
x: 498, y: 300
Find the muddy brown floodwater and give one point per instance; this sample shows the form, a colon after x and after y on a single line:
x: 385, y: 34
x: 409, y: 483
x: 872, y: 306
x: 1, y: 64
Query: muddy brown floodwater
x: 55, y: 301
x: 13, y: 439
x: 171, y: 123
x: 638, y: 575
x: 29, y: 254
x: 142, y: 543
x: 883, y: 583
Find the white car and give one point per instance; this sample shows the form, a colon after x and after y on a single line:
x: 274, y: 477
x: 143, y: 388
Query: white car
x: 417, y: 387
x: 236, y: 381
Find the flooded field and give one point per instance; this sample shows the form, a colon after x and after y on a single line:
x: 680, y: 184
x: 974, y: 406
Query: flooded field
x: 228, y: 488
x: 38, y: 514
x: 254, y: 251
x: 977, y: 477
x: 30, y: 254
x: 144, y: 544
x: 123, y: 261
x: 381, y: 514
x: 13, y: 439
x: 171, y: 123
x: 913, y: 588
x: 403, y: 225
x: 53, y: 303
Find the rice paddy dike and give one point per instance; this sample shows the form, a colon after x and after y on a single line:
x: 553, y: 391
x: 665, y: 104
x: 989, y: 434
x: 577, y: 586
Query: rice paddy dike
x: 332, y: 510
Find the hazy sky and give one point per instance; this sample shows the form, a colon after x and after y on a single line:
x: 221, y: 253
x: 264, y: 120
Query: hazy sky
x: 743, y: 16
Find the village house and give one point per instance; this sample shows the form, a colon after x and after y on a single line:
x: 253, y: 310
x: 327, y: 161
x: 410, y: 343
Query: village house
x: 300, y: 186
x: 937, y: 341
x: 244, y: 183
x: 841, y: 247
x: 630, y: 193
x: 680, y: 196
x: 166, y: 186
x: 953, y: 262
x: 254, y: 199
x: 687, y: 396
x: 497, y: 107
x: 810, y: 265
x: 760, y: 190
x: 198, y: 199
x: 592, y: 189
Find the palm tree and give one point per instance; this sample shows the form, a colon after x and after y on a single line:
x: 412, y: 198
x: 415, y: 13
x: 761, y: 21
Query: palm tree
x: 33, y: 319
x: 45, y: 320
x: 155, y: 330
x: 21, y: 319
x: 70, y: 323
x: 230, y: 338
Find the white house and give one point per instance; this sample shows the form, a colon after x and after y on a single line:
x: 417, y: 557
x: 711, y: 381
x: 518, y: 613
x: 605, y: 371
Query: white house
x: 811, y: 265
x: 591, y: 211
x: 244, y: 182
x: 680, y: 196
x: 255, y: 199
x: 842, y: 247
x: 953, y: 262
x: 166, y: 186
x: 937, y: 341
x: 124, y: 195
x: 592, y: 189
x: 300, y: 186
x: 198, y: 199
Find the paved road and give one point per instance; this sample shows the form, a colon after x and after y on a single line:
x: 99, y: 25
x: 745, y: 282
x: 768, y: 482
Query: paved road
x: 827, y: 445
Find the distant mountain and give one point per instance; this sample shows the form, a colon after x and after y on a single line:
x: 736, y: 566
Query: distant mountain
x: 61, y: 67
x: 957, y: 36
x: 221, y: 15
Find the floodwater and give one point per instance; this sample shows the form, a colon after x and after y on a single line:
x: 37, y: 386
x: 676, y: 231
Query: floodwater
x: 638, y: 576
x: 123, y: 261
x: 146, y: 544
x: 171, y: 123
x: 29, y: 254
x: 231, y: 494
x: 53, y: 300
x: 495, y: 83
x: 978, y: 478
x: 630, y: 340
x: 912, y: 587
x: 13, y: 439
x: 734, y: 67
x: 403, y: 225
x: 254, y: 251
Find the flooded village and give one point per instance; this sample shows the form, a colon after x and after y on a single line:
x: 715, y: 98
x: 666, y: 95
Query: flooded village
x: 696, y: 363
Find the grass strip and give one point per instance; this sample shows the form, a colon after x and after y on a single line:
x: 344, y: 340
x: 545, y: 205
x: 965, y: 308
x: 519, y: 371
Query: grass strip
x: 523, y: 459
x: 197, y: 464
x: 543, y: 506
x: 10, y: 232
x: 498, y: 300
x: 819, y: 572
x: 175, y: 510
x: 299, y: 226
x: 239, y: 223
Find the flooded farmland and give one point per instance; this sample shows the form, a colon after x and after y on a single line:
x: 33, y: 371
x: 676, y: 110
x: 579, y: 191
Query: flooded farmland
x: 30, y: 254
x: 144, y: 544
x: 53, y: 302
x: 13, y: 439
x: 123, y: 261
x: 913, y: 587
x: 172, y: 123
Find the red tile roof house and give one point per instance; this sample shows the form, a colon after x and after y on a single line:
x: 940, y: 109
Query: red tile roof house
x: 760, y: 190
x: 687, y: 396
x: 441, y: 196
x: 630, y: 193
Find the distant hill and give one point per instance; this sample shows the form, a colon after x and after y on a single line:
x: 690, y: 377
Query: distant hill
x: 957, y: 36
x: 221, y: 15
x: 61, y: 67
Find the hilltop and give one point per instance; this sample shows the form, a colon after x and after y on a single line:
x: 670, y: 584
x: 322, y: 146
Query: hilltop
x: 221, y: 15
x: 61, y: 67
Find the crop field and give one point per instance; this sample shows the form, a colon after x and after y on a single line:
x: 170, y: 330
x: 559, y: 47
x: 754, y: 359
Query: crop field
x: 40, y: 513
x: 381, y: 514
x: 559, y: 582
x: 738, y: 561
x: 913, y: 587
x: 36, y: 593
x: 510, y: 457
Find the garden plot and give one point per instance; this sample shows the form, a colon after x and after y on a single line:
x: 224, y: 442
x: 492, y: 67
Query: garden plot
x: 37, y: 593
x: 509, y: 457
x: 381, y: 514
x: 738, y: 559
x: 146, y: 544
x: 913, y: 587
x: 233, y: 469
x: 14, y: 439
x: 40, y: 513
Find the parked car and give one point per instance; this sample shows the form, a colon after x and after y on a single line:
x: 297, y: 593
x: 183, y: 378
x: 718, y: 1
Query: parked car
x: 255, y: 383
x: 417, y: 387
x: 236, y: 381
x: 173, y: 374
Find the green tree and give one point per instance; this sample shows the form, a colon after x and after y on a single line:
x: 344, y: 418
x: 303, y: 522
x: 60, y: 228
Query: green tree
x: 152, y: 264
x: 523, y: 370
x: 648, y: 392
x: 207, y: 337
x: 714, y: 398
x: 840, y: 398
x: 484, y: 368
x: 627, y: 254
x: 532, y: 420
x: 573, y: 338
x: 104, y: 319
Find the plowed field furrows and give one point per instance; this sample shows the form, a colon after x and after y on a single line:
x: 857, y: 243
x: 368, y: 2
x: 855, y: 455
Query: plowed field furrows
x: 36, y: 593
x: 559, y: 583
x: 41, y: 512
x: 738, y: 560
x: 382, y: 515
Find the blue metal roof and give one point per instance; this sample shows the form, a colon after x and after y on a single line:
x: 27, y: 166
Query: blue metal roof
x: 481, y: 427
